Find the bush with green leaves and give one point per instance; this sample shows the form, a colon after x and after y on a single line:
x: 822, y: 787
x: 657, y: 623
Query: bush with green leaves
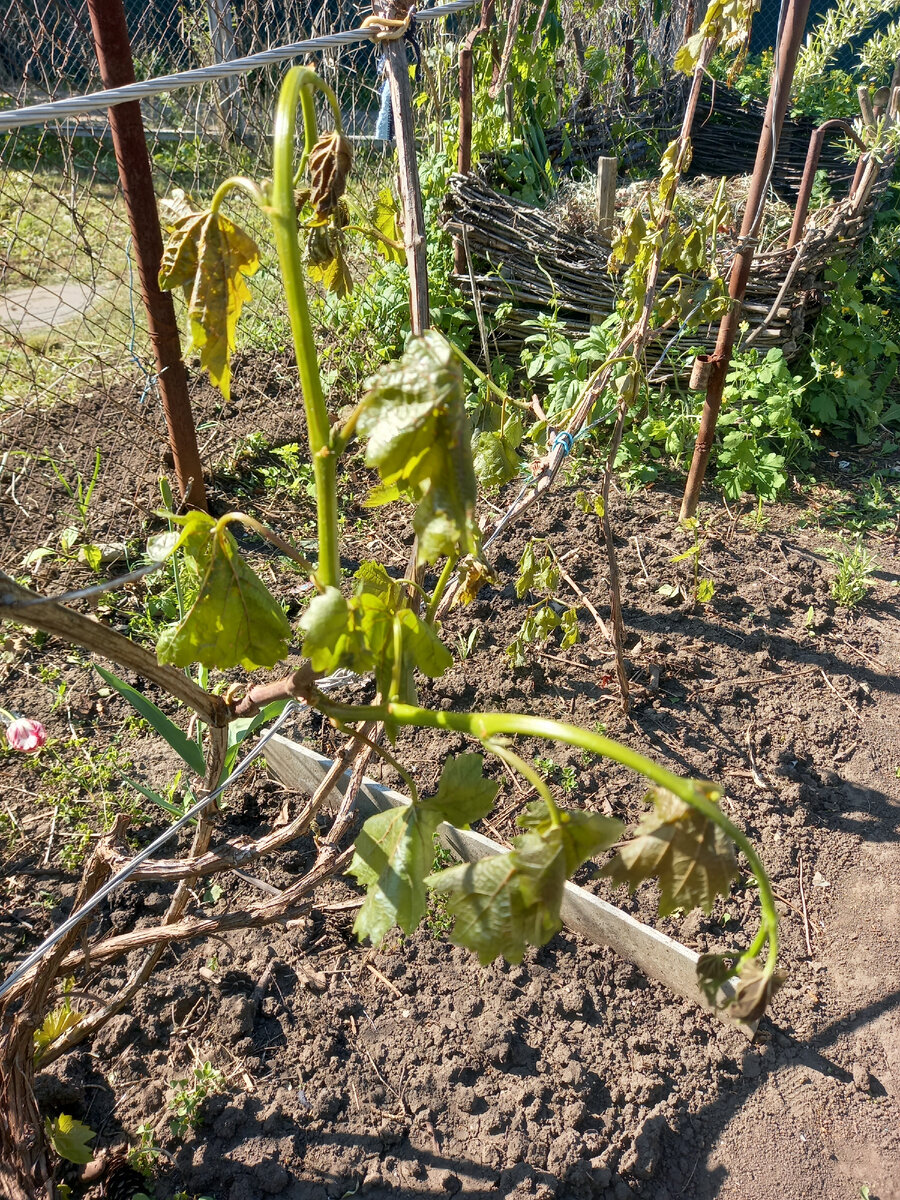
x: 854, y: 354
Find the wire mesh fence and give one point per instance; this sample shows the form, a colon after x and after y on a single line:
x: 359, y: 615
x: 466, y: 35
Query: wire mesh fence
x: 81, y: 427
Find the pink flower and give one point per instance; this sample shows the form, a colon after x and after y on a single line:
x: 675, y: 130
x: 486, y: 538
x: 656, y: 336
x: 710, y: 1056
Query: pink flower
x: 26, y: 735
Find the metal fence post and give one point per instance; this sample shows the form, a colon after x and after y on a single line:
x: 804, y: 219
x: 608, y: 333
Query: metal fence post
x: 113, y: 48
x: 766, y: 151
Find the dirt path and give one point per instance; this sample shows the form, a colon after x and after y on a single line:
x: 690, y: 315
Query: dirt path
x: 34, y: 309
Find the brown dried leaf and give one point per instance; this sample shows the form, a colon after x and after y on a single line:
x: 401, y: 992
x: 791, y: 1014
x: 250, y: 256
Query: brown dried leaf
x: 329, y: 165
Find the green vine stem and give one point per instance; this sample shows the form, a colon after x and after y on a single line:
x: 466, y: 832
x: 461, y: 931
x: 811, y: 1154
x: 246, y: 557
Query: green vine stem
x: 299, y: 87
x: 439, y: 588
x: 517, y: 763
x: 485, y: 726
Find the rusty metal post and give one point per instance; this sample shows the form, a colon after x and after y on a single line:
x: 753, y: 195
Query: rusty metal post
x: 779, y: 97
x: 801, y: 208
x: 130, y: 143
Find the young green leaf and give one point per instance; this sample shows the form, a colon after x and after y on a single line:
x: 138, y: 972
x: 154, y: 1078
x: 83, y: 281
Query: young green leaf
x: 690, y: 856
x: 464, y: 795
x: 69, y: 1138
x: 358, y: 633
x: 385, y: 218
x: 209, y: 254
x: 233, y: 618
x: 186, y: 748
x: 395, y: 848
x: 55, y: 1024
x: 569, y: 623
x: 333, y: 638
x: 527, y: 565
x: 419, y: 441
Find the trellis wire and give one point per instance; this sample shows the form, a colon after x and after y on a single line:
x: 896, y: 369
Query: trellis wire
x: 39, y: 114
x: 327, y: 684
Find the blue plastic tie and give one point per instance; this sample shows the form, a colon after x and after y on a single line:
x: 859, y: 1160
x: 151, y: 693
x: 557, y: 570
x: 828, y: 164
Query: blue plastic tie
x: 565, y: 440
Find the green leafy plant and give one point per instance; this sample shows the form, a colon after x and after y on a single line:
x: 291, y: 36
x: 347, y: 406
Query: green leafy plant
x: 760, y: 424
x: 414, y: 431
x: 851, y: 583
x: 703, y: 588
x: 855, y: 357
x: 188, y: 1095
x: 541, y: 575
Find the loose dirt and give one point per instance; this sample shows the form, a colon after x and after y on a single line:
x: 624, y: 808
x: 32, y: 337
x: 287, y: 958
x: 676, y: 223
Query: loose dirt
x: 412, y: 1071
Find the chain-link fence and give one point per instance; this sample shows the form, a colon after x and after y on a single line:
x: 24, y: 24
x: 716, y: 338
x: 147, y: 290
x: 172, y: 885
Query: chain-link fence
x: 82, y: 436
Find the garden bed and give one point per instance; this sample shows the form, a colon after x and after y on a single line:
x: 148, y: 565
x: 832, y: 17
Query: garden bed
x: 412, y: 1070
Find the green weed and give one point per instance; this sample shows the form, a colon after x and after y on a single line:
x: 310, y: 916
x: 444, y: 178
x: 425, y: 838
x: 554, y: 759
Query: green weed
x: 851, y: 584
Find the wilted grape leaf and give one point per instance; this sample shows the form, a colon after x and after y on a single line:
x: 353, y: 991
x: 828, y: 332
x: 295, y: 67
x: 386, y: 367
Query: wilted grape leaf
x: 69, y: 1138
x: 358, y: 633
x: 392, y: 856
x: 474, y: 574
x: 209, y: 254
x: 582, y: 833
x: 329, y: 165
x: 233, y: 618
x: 395, y: 848
x: 325, y: 261
x: 714, y: 970
x: 509, y: 901
x: 419, y: 441
x: 692, y: 858
x: 495, y: 458
x: 333, y: 638
x: 755, y: 989
x: 464, y: 795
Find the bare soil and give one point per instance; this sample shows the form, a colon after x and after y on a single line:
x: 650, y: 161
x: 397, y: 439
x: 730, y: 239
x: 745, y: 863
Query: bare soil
x: 412, y: 1071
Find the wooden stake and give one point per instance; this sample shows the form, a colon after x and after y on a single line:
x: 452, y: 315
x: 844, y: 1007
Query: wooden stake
x: 607, y: 170
x: 410, y: 188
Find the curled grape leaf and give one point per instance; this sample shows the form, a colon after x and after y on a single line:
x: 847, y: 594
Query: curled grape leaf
x: 330, y: 161
x: 325, y: 262
x: 395, y: 848
x: 233, y: 619
x: 474, y: 574
x: 755, y: 989
x: 211, y: 258
x: 509, y: 901
x: 690, y: 856
x: 495, y: 456
x: 418, y: 440
x: 714, y: 970
x: 358, y: 633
